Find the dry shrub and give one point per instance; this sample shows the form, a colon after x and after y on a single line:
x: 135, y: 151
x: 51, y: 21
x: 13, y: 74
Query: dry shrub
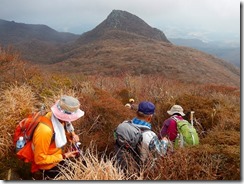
x: 228, y: 90
x: 90, y: 167
x: 5, y: 141
x: 47, y: 85
x: 188, y: 164
x: 227, y: 144
x: 224, y: 137
x: 16, y: 103
x: 49, y: 88
x: 124, y: 96
x: 216, y: 108
x: 226, y: 115
x: 102, y: 114
x: 14, y: 69
x: 204, y: 162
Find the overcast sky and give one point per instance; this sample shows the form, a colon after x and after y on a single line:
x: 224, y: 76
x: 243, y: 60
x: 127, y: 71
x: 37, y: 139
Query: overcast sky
x: 204, y: 19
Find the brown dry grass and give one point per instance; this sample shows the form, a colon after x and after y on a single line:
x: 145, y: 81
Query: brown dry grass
x: 217, y: 109
x: 16, y: 103
x: 91, y: 166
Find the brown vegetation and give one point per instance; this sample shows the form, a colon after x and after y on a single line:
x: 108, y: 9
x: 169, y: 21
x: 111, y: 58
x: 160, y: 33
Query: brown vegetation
x: 136, y: 55
x: 217, y: 109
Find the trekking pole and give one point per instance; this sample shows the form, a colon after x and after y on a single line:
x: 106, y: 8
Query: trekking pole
x: 77, y: 147
x: 42, y: 109
x: 191, y: 117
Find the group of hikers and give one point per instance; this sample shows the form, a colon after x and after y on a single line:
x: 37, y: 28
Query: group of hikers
x: 134, y: 139
x: 131, y: 153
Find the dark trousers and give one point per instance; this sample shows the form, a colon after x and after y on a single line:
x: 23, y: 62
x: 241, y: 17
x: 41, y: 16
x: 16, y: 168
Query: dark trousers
x: 127, y: 159
x: 52, y: 173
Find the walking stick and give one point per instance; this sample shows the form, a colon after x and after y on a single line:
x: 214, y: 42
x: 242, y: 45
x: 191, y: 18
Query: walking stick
x: 191, y: 117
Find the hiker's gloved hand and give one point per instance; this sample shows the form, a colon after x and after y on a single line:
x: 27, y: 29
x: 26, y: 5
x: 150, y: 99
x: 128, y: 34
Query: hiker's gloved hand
x: 72, y: 137
x: 75, y: 137
x: 70, y: 154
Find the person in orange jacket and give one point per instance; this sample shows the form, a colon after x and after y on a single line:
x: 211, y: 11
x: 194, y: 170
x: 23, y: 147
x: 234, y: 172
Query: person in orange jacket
x: 49, y: 141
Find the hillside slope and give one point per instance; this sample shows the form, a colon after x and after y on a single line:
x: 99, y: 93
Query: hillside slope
x: 121, y: 52
x: 116, y: 47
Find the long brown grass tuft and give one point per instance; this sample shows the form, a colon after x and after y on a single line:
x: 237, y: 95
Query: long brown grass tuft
x: 89, y: 166
x: 16, y: 103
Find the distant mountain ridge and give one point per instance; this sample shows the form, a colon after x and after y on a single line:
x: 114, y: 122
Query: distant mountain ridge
x: 228, y: 52
x: 12, y: 32
x: 124, y: 43
x: 37, y: 43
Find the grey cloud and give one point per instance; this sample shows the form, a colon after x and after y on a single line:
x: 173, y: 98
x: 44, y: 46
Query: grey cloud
x: 79, y: 16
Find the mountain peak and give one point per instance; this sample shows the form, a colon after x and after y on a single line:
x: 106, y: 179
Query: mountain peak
x: 118, y: 13
x: 126, y: 22
x: 119, y: 19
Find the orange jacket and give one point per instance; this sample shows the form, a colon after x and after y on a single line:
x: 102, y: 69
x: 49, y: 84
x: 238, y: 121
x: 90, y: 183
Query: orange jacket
x: 46, y: 154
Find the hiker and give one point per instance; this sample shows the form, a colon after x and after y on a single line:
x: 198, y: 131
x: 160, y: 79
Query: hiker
x: 169, y: 128
x: 178, y: 130
x: 131, y: 104
x: 135, y: 153
x: 48, y: 153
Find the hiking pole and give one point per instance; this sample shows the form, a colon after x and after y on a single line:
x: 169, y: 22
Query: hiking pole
x: 42, y: 109
x: 191, y: 117
x: 77, y: 147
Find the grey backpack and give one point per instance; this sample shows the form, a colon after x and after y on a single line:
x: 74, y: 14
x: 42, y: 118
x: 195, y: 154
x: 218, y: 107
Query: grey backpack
x: 127, y: 135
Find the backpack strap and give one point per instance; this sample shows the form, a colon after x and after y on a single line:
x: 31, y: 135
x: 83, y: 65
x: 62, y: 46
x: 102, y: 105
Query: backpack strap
x: 46, y: 121
x: 141, y: 128
x: 131, y: 122
x: 43, y: 120
x: 175, y: 118
x: 35, y: 121
x: 179, y: 135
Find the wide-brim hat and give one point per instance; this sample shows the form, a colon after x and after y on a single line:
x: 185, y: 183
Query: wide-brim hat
x: 131, y: 100
x: 67, y: 108
x: 176, y: 109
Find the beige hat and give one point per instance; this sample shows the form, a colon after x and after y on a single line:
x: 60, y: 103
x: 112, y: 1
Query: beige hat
x: 128, y: 105
x: 67, y: 109
x: 131, y: 100
x: 176, y: 109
